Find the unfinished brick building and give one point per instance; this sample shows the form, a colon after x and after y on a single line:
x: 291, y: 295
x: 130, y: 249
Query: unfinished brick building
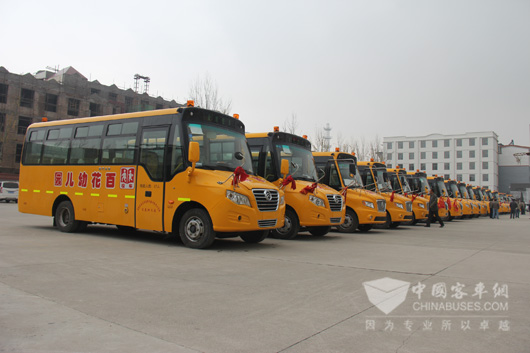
x: 65, y: 94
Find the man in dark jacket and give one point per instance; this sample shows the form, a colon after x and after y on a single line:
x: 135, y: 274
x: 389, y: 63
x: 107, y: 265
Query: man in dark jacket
x: 513, y: 209
x: 433, y: 210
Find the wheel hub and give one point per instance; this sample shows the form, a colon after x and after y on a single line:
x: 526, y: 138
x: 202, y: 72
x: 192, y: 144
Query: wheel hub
x: 194, y: 229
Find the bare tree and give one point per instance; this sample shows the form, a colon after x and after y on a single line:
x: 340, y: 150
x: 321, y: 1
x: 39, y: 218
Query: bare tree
x: 318, y: 142
x: 205, y: 93
x: 291, y: 125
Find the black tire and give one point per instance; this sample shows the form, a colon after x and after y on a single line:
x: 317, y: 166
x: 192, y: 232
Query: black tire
x: 351, y: 222
x: 65, y: 218
x: 126, y: 229
x: 319, y: 231
x: 365, y: 227
x: 196, y: 230
x: 290, y: 228
x: 255, y: 237
x: 394, y: 225
x: 414, y: 219
x: 388, y: 221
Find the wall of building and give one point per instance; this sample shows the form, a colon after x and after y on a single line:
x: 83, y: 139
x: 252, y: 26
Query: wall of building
x: 54, y: 96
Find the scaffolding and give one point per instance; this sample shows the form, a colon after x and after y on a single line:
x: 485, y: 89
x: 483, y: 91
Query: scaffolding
x: 146, y: 79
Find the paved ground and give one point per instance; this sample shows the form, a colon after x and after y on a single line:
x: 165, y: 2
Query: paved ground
x: 102, y: 291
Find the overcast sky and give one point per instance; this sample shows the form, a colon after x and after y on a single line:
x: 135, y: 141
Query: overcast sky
x: 371, y: 67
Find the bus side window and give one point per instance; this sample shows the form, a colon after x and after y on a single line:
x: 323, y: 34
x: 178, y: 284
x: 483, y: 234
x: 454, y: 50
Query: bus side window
x: 334, y: 180
x: 153, y: 145
x: 177, y: 155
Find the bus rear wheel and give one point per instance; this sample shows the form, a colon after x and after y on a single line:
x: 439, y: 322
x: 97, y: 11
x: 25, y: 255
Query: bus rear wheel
x: 196, y: 230
x: 351, y: 222
x: 255, y: 237
x: 65, y: 218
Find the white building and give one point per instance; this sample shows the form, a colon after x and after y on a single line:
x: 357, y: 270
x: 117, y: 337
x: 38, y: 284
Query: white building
x: 472, y: 157
x: 514, y: 170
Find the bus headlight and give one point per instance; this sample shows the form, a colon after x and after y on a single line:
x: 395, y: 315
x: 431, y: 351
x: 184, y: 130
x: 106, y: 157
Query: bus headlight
x: 368, y: 204
x: 317, y: 201
x: 421, y: 204
x: 282, y: 200
x: 237, y: 198
x: 400, y: 205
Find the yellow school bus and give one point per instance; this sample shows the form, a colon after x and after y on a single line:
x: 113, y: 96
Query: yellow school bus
x: 364, y: 208
x: 375, y: 178
x: 311, y: 205
x: 399, y: 183
x: 186, y: 171
x: 477, y: 205
x: 482, y: 199
x: 419, y: 185
x: 452, y: 205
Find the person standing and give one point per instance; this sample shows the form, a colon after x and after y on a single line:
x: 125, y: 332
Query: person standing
x: 433, y: 210
x: 513, y: 209
x: 494, y: 206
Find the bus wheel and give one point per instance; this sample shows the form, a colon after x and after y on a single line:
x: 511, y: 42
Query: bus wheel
x: 365, y: 227
x: 319, y: 231
x: 196, y: 230
x: 388, y: 221
x: 65, y: 218
x: 255, y: 237
x: 290, y: 228
x: 394, y: 225
x: 351, y: 222
x: 414, y: 219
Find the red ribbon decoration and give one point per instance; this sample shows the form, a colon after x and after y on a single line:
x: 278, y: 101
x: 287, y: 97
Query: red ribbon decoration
x: 289, y: 180
x: 344, y: 193
x: 406, y: 195
x: 448, y: 203
x: 414, y: 197
x: 441, y: 203
x: 392, y: 197
x: 309, y: 188
x: 455, y: 206
x: 239, y: 175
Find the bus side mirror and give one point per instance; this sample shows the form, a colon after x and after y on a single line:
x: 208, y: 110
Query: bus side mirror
x: 352, y: 169
x: 284, y: 167
x: 194, y: 154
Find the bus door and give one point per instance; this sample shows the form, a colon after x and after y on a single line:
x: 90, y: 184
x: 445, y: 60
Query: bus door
x: 150, y: 181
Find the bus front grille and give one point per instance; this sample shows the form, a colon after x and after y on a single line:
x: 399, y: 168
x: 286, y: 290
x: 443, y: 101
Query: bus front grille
x: 266, y: 223
x: 336, y: 220
x: 267, y: 199
x: 335, y: 202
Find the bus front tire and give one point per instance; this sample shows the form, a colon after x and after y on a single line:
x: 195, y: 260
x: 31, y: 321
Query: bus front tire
x: 196, y: 230
x: 255, y: 237
x: 351, y: 222
x: 65, y: 218
x: 290, y: 228
x: 365, y: 227
x: 319, y: 231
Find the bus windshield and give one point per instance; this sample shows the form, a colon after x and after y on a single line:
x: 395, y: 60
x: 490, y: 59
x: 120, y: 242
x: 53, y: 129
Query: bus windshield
x: 304, y: 165
x: 383, y: 184
x: 355, y: 181
x: 441, y: 187
x: 454, y: 190
x: 219, y: 146
x: 463, y: 191
x: 405, y: 183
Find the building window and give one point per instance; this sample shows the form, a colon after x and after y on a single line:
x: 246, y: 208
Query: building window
x: 411, y: 167
x: 400, y: 156
x: 411, y: 155
x: 50, y: 103
x: 389, y: 145
x: 423, y: 155
x: 458, y: 154
x: 447, y: 176
x: 459, y: 177
x: 447, y: 166
x: 2, y: 122
x: 411, y: 144
x: 446, y: 143
x: 389, y: 156
x: 435, y: 143
x: 471, y: 154
x: 145, y: 105
x: 471, y: 177
x: 447, y: 154
x: 113, y: 97
x: 485, y: 153
x: 159, y: 106
x: 26, y: 98
x: 95, y: 109
x: 472, y: 141
x: 3, y: 93
x: 423, y: 144
x: 128, y: 104
x: 484, y: 141
x: 485, y: 177
x: 459, y: 166
x: 459, y: 142
x: 400, y: 145
x: 18, y: 153
x: 435, y: 166
x: 423, y: 166
x: 485, y: 165
x: 472, y: 165
x: 73, y: 107
x: 435, y: 155
x: 23, y: 123
x: 94, y: 91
